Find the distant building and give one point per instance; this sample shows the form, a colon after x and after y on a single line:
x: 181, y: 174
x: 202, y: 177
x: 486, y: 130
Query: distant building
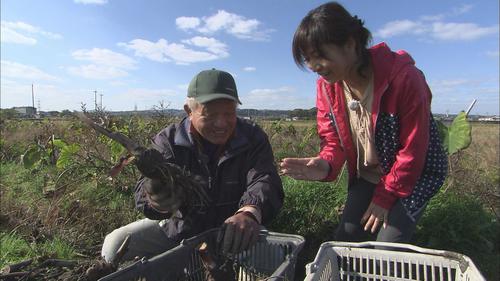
x: 25, y: 111
x: 495, y: 119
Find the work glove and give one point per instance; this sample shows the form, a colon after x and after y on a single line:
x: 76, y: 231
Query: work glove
x: 149, y: 163
x: 159, y: 184
x: 162, y: 197
x: 241, y: 232
x: 167, y: 185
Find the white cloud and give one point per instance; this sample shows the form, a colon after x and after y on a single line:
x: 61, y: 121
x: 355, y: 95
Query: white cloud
x: 283, y: 98
x: 104, y: 57
x: 249, y: 68
x: 16, y: 70
x: 436, y: 27
x: 399, y: 27
x: 11, y: 36
x: 211, y: 44
x: 461, y: 31
x: 187, y: 22
x: 162, y: 51
x: 182, y: 55
x: 96, y: 2
x: 233, y: 24
x: 105, y: 64
x: 23, y: 33
x: 148, y: 49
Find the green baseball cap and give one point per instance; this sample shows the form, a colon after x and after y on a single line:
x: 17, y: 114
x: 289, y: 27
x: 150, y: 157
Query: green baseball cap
x: 213, y: 84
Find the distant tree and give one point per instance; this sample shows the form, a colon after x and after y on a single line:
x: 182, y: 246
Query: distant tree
x: 8, y: 113
x: 311, y: 113
x: 65, y: 113
x: 303, y: 113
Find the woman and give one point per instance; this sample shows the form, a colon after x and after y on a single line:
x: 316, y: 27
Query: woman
x: 373, y: 113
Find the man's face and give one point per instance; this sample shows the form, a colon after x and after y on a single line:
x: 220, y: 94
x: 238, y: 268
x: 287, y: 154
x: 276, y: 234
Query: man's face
x: 215, y: 120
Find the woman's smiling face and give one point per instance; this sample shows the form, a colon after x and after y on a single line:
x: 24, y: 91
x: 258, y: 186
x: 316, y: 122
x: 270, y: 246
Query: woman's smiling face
x: 335, y: 62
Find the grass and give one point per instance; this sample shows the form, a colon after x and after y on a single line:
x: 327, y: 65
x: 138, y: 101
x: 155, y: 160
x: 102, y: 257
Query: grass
x: 74, y: 219
x: 16, y: 248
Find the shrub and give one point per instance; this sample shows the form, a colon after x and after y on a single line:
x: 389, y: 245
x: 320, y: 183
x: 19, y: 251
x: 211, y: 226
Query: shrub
x: 459, y: 223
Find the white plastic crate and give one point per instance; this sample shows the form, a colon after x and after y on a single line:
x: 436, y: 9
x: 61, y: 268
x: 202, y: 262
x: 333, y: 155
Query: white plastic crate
x: 273, y: 257
x: 337, y: 261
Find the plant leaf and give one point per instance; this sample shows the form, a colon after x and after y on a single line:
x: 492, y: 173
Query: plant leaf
x: 66, y: 155
x: 443, y: 133
x: 59, y: 143
x: 459, y: 134
x: 117, y: 149
x: 31, y: 157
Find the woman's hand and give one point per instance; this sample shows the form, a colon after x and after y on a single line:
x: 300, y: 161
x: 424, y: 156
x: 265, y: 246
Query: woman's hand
x: 313, y: 168
x: 374, y: 217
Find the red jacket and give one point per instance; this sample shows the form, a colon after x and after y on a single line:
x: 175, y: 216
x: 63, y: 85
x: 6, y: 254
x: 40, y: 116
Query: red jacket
x: 406, y: 139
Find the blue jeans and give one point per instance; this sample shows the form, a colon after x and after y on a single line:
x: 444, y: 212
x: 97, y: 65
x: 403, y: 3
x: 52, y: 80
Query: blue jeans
x: 401, y: 225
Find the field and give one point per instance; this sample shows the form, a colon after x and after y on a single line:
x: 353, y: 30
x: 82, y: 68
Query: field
x: 59, y: 202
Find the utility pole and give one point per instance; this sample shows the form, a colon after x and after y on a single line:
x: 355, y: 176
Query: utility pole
x: 32, y: 96
x: 95, y: 100
x: 101, y: 100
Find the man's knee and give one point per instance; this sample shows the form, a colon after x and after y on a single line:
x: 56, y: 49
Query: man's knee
x: 116, y: 236
x: 112, y: 243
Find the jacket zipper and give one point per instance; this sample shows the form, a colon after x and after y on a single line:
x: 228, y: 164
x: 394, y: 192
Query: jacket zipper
x: 203, y: 161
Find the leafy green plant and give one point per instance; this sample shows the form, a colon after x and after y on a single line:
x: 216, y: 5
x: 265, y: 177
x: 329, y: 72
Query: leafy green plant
x: 465, y: 227
x: 54, y: 151
x: 458, y: 136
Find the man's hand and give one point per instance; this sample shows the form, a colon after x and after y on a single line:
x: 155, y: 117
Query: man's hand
x: 149, y: 162
x: 313, y: 168
x: 162, y: 198
x: 374, y: 217
x: 242, y: 231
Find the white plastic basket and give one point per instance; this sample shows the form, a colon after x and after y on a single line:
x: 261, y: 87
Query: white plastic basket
x: 337, y: 261
x: 272, y: 258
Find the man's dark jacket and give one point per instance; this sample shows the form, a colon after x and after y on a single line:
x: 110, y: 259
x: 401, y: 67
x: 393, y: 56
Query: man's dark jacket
x: 244, y: 175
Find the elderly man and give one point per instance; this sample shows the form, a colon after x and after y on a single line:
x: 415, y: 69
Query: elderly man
x: 232, y: 156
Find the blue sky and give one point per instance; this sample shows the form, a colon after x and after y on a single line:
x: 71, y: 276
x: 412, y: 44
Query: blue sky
x: 137, y: 54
